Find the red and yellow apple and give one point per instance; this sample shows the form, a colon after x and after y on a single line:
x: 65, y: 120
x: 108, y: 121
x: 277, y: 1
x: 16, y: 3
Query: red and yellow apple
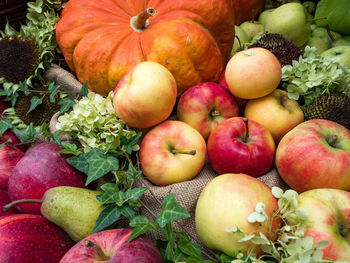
x: 172, y: 152
x: 238, y: 145
x: 226, y: 202
x: 205, y: 105
x: 329, y: 217
x: 253, y: 73
x: 276, y: 112
x: 315, y: 154
x: 9, y: 157
x: 113, y: 246
x: 146, y: 95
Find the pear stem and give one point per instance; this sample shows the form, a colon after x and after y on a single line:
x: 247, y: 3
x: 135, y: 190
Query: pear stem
x: 99, y: 251
x: 239, y: 42
x: 18, y: 202
x: 330, y: 34
x: 139, y: 22
x: 246, y: 135
x: 175, y: 151
x: 317, y: 18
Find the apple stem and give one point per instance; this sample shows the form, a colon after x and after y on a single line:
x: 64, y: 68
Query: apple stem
x: 175, y: 151
x: 332, y: 140
x: 246, y: 135
x: 239, y: 42
x: 215, y: 113
x: 99, y: 251
x: 329, y: 33
x: 345, y: 229
x: 18, y: 202
x: 139, y: 22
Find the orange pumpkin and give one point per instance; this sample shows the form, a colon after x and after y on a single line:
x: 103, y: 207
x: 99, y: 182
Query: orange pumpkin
x: 102, y: 39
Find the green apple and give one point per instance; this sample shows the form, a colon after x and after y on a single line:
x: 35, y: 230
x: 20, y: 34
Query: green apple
x: 251, y: 28
x: 264, y: 14
x: 243, y: 38
x: 347, y: 38
x: 310, y: 7
x: 318, y: 42
x: 289, y: 20
x: 340, y: 54
x: 341, y: 42
x: 323, y: 33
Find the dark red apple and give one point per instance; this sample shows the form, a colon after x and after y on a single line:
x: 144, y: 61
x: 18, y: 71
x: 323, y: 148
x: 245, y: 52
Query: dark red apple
x: 9, y: 157
x: 41, y: 168
x: 239, y: 145
x: 31, y: 239
x: 14, y: 140
x: 113, y: 246
x: 245, y: 10
x: 4, y: 104
x: 4, y: 200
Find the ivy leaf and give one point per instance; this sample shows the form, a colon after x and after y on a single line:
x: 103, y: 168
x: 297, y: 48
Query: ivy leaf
x: 80, y: 162
x: 53, y: 88
x: 135, y: 193
x: 132, y: 174
x: 84, y: 89
x: 127, y: 211
x: 70, y: 148
x: 5, y: 124
x: 171, y: 211
x: 112, y: 197
x: 140, y: 226
x: 108, y: 187
x: 56, y: 138
x: 66, y: 103
x: 128, y: 143
x: 107, y: 217
x: 34, y: 102
x: 187, y: 247
x: 100, y: 164
x: 2, y: 145
x: 26, y: 135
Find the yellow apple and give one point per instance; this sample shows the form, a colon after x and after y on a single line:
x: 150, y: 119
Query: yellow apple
x: 146, y: 95
x: 172, y: 152
x: 253, y: 73
x: 276, y: 112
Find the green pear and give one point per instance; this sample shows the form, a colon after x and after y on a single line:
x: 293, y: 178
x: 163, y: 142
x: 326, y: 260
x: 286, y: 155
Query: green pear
x: 251, y: 28
x: 264, y: 14
x: 289, y: 20
x: 243, y: 38
x: 74, y: 209
x: 339, y: 54
x: 323, y: 33
x: 347, y: 38
x: 319, y: 43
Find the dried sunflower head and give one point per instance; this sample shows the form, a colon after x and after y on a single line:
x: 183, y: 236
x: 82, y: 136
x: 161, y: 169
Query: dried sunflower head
x: 285, y: 50
x: 41, y: 114
x: 19, y: 56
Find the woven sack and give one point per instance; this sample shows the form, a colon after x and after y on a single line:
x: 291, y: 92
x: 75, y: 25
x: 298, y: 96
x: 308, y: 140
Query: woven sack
x: 186, y: 193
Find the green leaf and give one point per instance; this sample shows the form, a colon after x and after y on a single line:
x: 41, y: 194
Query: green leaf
x: 171, y: 211
x: 56, y: 138
x: 127, y: 211
x: 2, y: 144
x: 5, y: 124
x: 70, y: 148
x: 53, y: 88
x: 132, y: 174
x: 34, y: 102
x: 100, y: 164
x: 84, y: 89
x: 169, y: 251
x: 128, y: 143
x: 80, y: 162
x: 108, y: 187
x: 141, y: 225
x: 112, y: 197
x: 134, y: 194
x: 187, y: 247
x: 109, y: 215
x: 66, y: 103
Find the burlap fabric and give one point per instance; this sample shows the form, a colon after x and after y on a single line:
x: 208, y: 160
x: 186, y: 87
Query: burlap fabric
x: 186, y: 193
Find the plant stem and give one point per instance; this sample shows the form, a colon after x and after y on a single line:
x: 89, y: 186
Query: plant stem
x: 330, y: 34
x: 139, y: 22
x: 18, y: 202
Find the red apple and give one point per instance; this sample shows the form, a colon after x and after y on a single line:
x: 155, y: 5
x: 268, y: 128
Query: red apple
x: 172, y: 152
x: 240, y: 102
x: 113, y: 246
x: 205, y: 105
x: 9, y: 157
x: 238, y: 145
x: 315, y: 154
x: 329, y: 217
x: 246, y: 10
x: 226, y: 202
x: 41, y: 168
x: 14, y: 140
x: 4, y: 200
x: 253, y: 73
x: 146, y: 95
x: 4, y: 104
x: 31, y: 239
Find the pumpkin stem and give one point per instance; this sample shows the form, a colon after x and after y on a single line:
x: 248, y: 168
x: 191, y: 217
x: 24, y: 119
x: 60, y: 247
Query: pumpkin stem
x: 140, y: 21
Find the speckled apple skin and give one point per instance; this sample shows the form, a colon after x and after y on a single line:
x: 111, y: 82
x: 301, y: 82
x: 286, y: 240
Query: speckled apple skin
x: 41, y: 168
x: 28, y: 238
x: 9, y: 157
x: 114, y: 244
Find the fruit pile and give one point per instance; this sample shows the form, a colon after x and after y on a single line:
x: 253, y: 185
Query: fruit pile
x: 106, y: 105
